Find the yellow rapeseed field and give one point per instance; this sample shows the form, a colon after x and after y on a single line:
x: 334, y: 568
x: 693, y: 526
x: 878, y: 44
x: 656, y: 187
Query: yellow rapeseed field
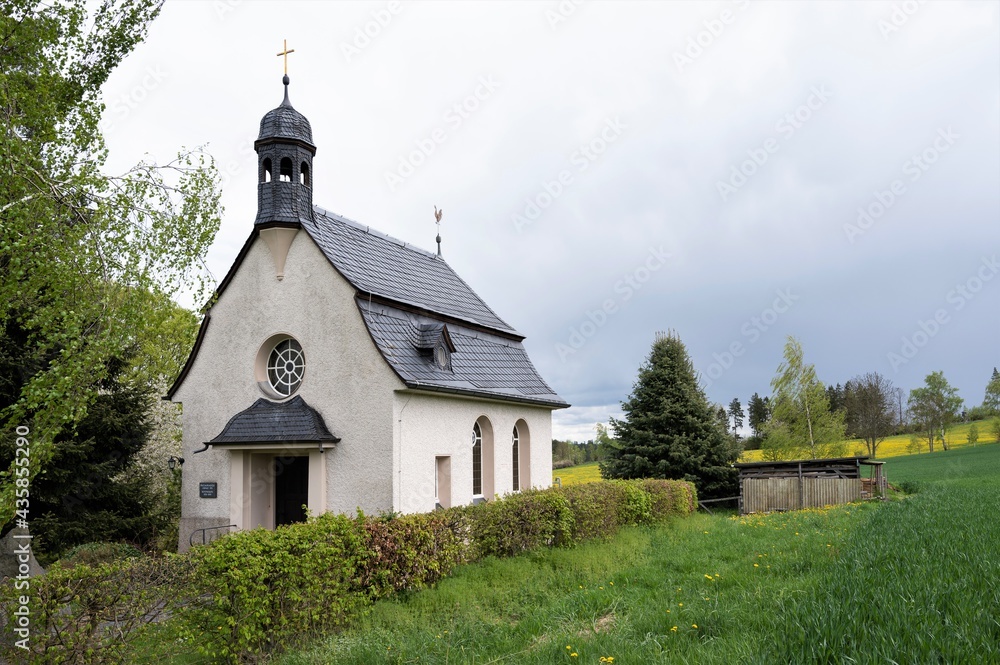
x: 956, y: 437
x: 574, y: 475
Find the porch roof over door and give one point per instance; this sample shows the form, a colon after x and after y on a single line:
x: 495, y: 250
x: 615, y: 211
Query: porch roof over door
x: 267, y: 422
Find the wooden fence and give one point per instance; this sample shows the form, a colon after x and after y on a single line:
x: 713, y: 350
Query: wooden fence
x: 762, y: 495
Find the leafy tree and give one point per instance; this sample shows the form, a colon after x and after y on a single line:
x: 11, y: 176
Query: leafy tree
x: 670, y: 429
x: 870, y: 409
x: 995, y: 426
x: 758, y: 413
x: 934, y: 406
x: 604, y: 441
x: 107, y: 479
x: 736, y: 415
x: 801, y: 419
x: 992, y: 399
x: 81, y: 250
x: 973, y: 435
x: 900, y: 394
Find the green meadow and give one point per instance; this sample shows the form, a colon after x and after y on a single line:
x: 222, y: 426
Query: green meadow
x: 912, y: 580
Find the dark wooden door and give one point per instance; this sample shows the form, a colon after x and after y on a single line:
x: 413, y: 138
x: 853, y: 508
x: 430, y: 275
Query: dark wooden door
x: 291, y: 489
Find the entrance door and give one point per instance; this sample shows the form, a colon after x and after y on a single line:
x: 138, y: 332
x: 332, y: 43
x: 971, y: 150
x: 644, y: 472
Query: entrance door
x: 291, y: 489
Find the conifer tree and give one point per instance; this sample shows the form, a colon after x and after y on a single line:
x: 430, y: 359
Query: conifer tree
x: 992, y: 400
x: 670, y: 429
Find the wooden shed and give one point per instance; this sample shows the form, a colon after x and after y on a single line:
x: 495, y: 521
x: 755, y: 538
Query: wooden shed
x: 793, y: 485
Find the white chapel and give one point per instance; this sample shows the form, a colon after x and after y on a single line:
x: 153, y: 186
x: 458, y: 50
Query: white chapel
x: 338, y: 368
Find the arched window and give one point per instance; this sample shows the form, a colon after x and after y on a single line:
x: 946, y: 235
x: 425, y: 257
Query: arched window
x: 265, y: 175
x: 286, y: 170
x: 477, y: 460
x: 522, y: 451
x: 515, y: 461
x: 304, y: 174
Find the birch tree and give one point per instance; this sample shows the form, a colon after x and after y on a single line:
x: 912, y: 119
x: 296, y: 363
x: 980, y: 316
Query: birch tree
x: 81, y: 249
x: 801, y: 419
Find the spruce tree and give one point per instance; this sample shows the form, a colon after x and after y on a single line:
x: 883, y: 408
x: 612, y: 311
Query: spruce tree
x: 670, y: 429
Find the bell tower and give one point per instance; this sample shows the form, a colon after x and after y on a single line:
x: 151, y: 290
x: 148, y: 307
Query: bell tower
x: 285, y: 153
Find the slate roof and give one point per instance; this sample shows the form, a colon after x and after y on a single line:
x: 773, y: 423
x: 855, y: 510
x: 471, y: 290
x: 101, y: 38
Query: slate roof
x: 264, y: 421
x: 381, y: 265
x: 483, y: 364
x: 284, y: 122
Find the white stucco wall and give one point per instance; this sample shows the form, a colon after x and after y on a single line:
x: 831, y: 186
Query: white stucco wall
x: 432, y: 425
x: 346, y: 380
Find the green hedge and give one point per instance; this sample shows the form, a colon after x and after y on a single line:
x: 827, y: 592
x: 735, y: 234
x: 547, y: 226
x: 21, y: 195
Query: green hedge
x: 89, y: 613
x: 255, y: 593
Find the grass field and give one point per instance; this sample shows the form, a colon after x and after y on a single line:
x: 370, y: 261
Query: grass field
x: 908, y: 581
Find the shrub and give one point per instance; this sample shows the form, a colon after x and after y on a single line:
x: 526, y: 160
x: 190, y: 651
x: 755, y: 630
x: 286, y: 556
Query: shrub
x: 93, y: 554
x: 261, y: 590
x: 520, y: 522
x: 408, y: 552
x: 254, y: 593
x: 670, y: 498
x: 91, y: 614
x: 596, y: 509
x: 973, y: 435
x: 981, y: 412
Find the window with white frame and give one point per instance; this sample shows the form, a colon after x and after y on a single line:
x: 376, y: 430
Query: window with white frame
x: 477, y: 460
x: 515, y: 460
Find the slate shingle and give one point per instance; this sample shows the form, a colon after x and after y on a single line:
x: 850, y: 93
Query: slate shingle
x: 264, y: 421
x: 483, y: 364
x: 381, y: 265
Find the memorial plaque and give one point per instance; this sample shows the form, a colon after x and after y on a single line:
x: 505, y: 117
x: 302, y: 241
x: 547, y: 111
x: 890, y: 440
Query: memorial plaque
x: 208, y: 490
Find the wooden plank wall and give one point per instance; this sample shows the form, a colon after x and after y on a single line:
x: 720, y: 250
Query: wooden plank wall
x: 762, y: 495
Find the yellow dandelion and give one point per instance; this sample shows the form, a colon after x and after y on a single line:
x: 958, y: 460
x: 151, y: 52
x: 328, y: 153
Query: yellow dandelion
x: 680, y: 604
x: 674, y: 629
x: 569, y: 648
x: 668, y: 611
x: 694, y: 625
x: 756, y: 565
x: 573, y: 655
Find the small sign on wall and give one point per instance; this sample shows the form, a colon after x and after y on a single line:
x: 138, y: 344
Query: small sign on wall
x: 208, y: 490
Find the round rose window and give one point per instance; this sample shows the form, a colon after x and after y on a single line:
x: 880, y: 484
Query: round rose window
x: 285, y: 366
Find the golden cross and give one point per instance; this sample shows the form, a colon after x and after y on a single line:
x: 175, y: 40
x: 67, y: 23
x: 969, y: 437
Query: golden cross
x: 285, y: 54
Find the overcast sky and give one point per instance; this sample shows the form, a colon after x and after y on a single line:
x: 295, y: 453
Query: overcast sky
x: 735, y: 171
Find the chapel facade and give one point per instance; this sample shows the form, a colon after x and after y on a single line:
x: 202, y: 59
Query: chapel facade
x: 338, y: 368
